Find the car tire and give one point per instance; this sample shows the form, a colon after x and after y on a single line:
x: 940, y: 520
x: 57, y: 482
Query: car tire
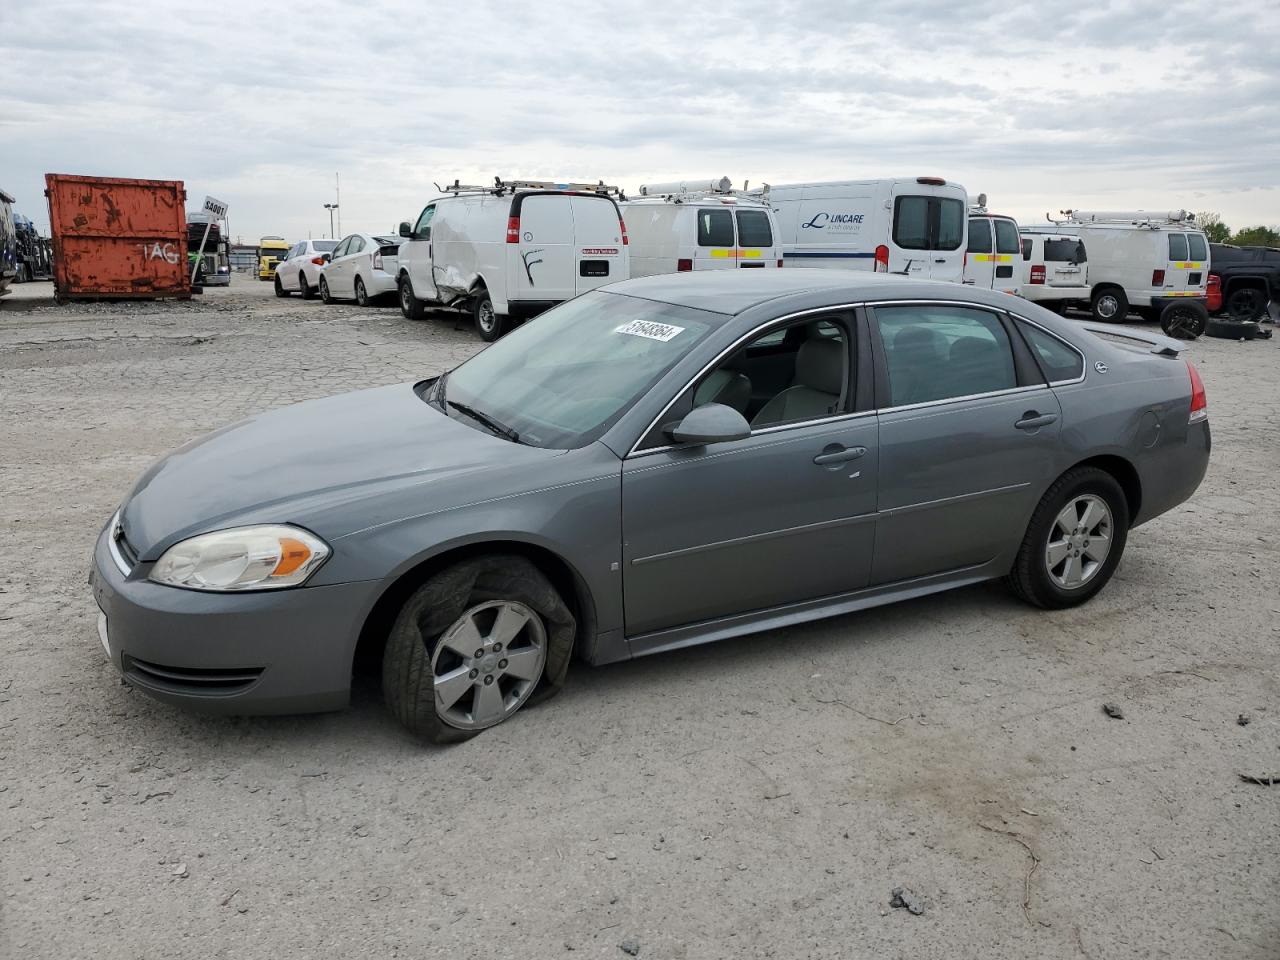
x: 305, y: 288
x: 433, y: 683
x: 1246, y: 304
x: 489, y: 323
x: 1109, y: 305
x: 362, y: 295
x: 280, y: 290
x: 1184, y: 321
x: 324, y: 292
x: 410, y: 306
x: 1234, y: 330
x: 1053, y: 552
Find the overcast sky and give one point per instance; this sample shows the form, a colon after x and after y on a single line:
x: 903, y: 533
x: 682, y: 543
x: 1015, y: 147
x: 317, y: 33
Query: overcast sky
x: 1152, y: 105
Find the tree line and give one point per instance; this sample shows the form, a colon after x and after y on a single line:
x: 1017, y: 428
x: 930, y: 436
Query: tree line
x: 1219, y: 232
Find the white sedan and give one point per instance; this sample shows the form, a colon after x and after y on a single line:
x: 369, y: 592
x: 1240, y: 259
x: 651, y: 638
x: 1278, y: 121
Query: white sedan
x: 299, y: 271
x: 362, y: 267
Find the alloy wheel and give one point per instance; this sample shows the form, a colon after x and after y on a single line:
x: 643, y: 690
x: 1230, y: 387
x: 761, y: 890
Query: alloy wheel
x: 487, y: 663
x: 1079, y: 541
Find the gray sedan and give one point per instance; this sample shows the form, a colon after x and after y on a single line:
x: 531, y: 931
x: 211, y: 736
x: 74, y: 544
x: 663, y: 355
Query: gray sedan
x: 663, y: 462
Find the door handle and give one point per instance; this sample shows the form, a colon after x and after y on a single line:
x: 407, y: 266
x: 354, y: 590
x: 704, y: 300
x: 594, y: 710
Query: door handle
x: 1031, y: 420
x: 838, y: 455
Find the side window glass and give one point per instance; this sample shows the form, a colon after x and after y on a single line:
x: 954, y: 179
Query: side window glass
x: 1199, y: 248
x: 949, y: 216
x: 753, y: 229
x: 422, y: 231
x: 979, y: 235
x: 1177, y: 246
x: 1006, y: 236
x: 1059, y: 361
x: 911, y: 223
x: 715, y: 228
x: 1026, y: 249
x: 342, y: 249
x: 942, y: 352
x: 357, y: 244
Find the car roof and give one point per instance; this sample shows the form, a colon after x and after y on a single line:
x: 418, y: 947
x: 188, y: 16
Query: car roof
x: 735, y: 291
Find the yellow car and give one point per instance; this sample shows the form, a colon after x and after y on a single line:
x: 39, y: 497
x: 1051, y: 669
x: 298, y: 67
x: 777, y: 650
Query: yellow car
x: 271, y: 251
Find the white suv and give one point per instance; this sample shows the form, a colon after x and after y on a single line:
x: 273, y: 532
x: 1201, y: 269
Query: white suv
x: 1055, y: 270
x: 299, y: 271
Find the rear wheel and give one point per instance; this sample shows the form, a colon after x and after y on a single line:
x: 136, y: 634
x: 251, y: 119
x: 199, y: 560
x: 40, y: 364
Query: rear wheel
x: 489, y: 323
x: 280, y: 290
x: 304, y: 287
x: 1185, y: 321
x: 362, y: 295
x: 1074, y: 541
x: 471, y: 645
x: 410, y: 306
x: 1245, y: 304
x: 1110, y: 305
x: 324, y: 291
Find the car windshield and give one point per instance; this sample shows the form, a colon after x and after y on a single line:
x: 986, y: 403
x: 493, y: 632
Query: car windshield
x: 564, y: 378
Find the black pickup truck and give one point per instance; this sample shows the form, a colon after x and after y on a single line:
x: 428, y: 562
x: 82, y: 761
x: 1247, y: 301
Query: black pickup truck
x: 1250, y: 278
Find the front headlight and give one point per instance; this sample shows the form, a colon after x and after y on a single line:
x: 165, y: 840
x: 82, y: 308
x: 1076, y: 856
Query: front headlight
x: 242, y: 558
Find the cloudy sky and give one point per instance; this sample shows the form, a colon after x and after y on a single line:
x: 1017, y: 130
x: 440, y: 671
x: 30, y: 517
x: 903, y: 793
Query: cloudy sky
x: 1151, y: 105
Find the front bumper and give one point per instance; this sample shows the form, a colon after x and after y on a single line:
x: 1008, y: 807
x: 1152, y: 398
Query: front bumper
x: 281, y: 651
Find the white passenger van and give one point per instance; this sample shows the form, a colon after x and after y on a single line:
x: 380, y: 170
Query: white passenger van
x: 699, y: 225
x: 1141, y: 261
x: 1055, y: 270
x: 510, y: 251
x: 913, y: 226
x: 992, y: 254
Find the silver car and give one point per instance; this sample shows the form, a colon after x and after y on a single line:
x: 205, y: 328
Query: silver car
x: 662, y: 462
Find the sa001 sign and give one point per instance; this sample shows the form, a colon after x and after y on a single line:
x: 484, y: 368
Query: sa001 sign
x: 216, y: 207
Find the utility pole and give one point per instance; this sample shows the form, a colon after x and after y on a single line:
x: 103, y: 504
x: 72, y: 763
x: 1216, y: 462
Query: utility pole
x: 331, y: 207
x: 337, y: 198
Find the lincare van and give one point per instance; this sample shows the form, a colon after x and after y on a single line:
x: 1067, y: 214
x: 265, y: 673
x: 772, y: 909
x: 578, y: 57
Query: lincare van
x: 1156, y: 264
x: 507, y: 252
x: 699, y: 225
x: 914, y: 226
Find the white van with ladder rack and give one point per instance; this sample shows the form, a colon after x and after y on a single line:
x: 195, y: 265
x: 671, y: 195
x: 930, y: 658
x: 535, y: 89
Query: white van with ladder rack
x: 915, y: 226
x: 1155, y: 264
x: 700, y: 225
x: 509, y: 251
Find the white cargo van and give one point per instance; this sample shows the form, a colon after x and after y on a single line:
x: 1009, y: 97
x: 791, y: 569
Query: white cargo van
x: 1156, y: 264
x: 703, y: 225
x: 993, y: 250
x: 510, y: 251
x: 913, y: 226
x: 1055, y: 270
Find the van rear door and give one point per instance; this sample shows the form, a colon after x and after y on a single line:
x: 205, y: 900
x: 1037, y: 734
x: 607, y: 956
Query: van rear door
x: 755, y: 238
x: 1187, y: 272
x: 1007, y: 256
x: 599, y: 255
x: 716, y: 245
x: 979, y: 261
x: 1065, y: 262
x: 927, y: 229
x: 544, y: 261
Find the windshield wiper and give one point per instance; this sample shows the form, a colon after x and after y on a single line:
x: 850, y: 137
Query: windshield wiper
x: 501, y: 429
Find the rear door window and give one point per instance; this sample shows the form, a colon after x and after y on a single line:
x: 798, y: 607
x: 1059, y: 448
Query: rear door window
x: 1199, y: 248
x: 754, y: 229
x: 1006, y: 236
x: 1064, y: 251
x: 355, y: 245
x: 943, y: 352
x: 979, y: 235
x: 715, y: 228
x: 948, y: 228
x: 928, y: 223
x: 1177, y: 246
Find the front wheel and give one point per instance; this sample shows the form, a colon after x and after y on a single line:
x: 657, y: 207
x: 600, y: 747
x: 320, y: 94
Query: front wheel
x: 280, y: 290
x: 1110, y: 305
x: 1074, y: 541
x: 1184, y: 321
x: 410, y: 306
x: 324, y: 291
x: 362, y: 295
x: 471, y: 645
x: 489, y: 324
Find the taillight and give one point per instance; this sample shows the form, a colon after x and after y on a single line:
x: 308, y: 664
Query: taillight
x: 684, y: 266
x: 1037, y: 273
x: 779, y: 261
x: 1157, y: 278
x: 882, y: 259
x: 1214, y: 293
x: 377, y: 260
x: 623, y: 227
x: 1199, y: 400
x: 513, y: 230
x: 318, y: 261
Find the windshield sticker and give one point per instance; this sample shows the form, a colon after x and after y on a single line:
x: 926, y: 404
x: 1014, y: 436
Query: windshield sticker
x: 650, y: 329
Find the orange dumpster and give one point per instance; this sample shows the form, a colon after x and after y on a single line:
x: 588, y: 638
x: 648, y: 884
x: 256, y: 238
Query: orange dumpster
x: 118, y: 238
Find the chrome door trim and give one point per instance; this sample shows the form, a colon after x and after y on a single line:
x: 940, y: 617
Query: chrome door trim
x: 756, y: 537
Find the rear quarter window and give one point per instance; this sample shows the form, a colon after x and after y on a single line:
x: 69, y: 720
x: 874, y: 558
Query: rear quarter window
x: 1177, y: 246
x: 1026, y: 249
x: 1058, y: 360
x: 715, y: 228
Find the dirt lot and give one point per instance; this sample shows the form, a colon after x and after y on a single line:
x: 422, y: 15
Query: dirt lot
x: 757, y: 798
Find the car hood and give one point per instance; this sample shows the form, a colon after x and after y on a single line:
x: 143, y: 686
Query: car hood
x: 309, y: 464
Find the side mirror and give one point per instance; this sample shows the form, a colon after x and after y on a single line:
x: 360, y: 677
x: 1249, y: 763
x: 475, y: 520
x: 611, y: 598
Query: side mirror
x: 405, y: 229
x: 711, y: 423
x: 326, y: 257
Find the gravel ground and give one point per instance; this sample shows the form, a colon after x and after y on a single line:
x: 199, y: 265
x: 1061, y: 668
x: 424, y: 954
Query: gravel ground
x: 757, y: 798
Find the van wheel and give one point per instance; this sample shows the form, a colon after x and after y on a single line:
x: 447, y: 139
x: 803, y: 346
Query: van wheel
x: 305, y: 288
x: 410, y: 306
x: 1110, y: 305
x: 470, y: 646
x: 280, y: 290
x: 1184, y: 321
x: 489, y: 324
x: 362, y: 295
x: 1246, y: 304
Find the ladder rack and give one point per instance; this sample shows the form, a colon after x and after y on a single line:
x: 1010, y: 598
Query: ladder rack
x: 500, y: 186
